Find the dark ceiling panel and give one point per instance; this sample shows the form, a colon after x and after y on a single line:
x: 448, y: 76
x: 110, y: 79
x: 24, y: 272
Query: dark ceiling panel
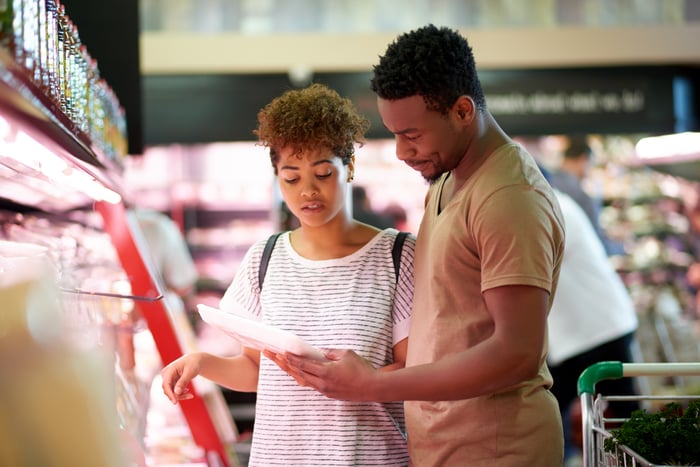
x: 207, y: 108
x: 192, y: 109
x: 587, y: 100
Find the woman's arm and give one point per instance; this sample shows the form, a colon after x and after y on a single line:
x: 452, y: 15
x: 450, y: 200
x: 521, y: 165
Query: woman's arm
x: 239, y: 373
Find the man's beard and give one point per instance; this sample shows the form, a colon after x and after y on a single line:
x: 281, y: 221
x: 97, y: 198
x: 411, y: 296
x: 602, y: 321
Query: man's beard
x: 432, y: 180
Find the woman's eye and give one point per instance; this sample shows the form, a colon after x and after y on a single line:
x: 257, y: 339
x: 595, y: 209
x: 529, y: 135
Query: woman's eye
x: 290, y: 181
x: 326, y: 175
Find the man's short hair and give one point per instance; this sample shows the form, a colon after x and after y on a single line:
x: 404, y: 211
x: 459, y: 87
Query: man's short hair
x: 578, y: 148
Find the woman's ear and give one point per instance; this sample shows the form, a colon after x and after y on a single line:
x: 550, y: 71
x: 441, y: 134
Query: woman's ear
x: 351, y: 169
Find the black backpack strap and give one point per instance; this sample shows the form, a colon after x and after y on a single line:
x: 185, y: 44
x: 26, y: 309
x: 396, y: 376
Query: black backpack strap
x: 270, y: 245
x: 267, y: 252
x: 396, y: 251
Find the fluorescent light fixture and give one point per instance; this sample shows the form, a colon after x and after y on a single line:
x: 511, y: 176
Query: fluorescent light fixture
x: 682, y: 146
x: 24, y: 154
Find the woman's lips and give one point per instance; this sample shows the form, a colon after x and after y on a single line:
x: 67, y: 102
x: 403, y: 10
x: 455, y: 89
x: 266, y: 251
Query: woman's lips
x: 315, y: 206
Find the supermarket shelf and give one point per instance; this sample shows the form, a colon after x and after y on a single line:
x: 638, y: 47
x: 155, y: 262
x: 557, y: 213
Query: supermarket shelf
x: 27, y: 107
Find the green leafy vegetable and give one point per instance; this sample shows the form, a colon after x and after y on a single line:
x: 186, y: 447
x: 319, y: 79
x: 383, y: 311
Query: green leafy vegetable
x: 670, y: 436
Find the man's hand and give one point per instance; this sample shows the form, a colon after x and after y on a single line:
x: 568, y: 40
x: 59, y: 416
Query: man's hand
x: 345, y: 375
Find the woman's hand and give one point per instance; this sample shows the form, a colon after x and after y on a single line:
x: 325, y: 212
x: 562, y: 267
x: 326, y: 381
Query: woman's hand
x: 177, y: 375
x: 281, y: 361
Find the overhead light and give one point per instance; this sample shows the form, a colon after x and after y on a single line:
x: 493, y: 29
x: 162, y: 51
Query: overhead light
x: 680, y: 146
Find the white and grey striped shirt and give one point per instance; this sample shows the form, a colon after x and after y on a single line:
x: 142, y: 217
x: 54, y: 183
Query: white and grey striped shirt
x: 354, y: 302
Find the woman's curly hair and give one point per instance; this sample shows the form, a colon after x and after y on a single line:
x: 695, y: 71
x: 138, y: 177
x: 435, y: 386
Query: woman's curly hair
x: 311, y: 118
x: 435, y: 63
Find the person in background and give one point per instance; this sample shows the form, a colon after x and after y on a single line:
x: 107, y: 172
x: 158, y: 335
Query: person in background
x: 692, y: 275
x: 332, y: 281
x: 592, y: 319
x: 398, y: 216
x: 569, y: 177
x: 489, y: 248
x: 169, y: 254
x: 363, y: 212
x: 165, y: 250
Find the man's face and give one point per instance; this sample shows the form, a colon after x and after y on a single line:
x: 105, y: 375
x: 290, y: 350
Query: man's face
x: 426, y: 140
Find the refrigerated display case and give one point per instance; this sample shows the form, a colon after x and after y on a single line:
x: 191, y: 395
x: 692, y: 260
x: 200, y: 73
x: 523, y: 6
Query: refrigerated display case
x: 61, y: 192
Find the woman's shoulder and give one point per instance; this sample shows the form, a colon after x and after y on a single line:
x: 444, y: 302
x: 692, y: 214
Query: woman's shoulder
x: 391, y: 236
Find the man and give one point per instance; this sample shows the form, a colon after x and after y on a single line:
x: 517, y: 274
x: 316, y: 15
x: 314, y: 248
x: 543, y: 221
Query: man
x: 487, y: 262
x: 568, y: 179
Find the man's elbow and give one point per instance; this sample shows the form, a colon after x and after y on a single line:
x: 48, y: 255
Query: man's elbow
x: 528, y: 366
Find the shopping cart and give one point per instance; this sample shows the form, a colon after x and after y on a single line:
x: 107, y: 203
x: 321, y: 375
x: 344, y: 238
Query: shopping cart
x: 597, y: 427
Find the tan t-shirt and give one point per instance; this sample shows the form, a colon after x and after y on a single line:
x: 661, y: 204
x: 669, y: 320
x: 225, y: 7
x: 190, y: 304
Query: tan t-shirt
x: 503, y: 227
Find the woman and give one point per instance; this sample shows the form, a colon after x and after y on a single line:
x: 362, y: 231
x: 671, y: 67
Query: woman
x: 331, y: 281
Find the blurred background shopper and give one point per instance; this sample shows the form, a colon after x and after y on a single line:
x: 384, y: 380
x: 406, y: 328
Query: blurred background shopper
x: 592, y: 319
x: 569, y: 178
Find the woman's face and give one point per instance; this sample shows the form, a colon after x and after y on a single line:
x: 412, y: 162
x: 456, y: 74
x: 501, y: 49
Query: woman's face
x: 313, y: 184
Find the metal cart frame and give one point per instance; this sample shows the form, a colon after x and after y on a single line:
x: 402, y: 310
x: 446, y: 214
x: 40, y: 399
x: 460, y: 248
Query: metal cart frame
x: 596, y: 425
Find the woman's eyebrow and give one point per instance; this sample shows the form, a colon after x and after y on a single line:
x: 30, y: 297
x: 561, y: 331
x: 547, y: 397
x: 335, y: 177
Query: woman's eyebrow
x: 318, y: 162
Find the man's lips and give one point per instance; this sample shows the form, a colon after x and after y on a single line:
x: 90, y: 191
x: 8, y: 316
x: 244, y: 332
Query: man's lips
x: 417, y: 165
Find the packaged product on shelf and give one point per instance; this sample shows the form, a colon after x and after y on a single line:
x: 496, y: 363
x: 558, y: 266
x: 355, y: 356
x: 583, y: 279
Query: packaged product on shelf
x: 47, y: 384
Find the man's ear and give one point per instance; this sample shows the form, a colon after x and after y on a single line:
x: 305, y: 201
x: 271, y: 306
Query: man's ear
x: 465, y: 109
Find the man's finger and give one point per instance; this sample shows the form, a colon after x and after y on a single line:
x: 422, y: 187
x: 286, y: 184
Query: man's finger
x: 304, y: 365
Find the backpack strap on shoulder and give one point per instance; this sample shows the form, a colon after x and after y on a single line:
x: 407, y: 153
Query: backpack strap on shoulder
x: 270, y: 245
x: 267, y: 252
x: 396, y: 251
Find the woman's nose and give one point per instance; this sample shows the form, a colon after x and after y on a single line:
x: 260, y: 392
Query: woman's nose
x: 309, y: 189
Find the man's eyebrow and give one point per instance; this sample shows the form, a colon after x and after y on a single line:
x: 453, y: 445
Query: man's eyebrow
x: 404, y: 131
